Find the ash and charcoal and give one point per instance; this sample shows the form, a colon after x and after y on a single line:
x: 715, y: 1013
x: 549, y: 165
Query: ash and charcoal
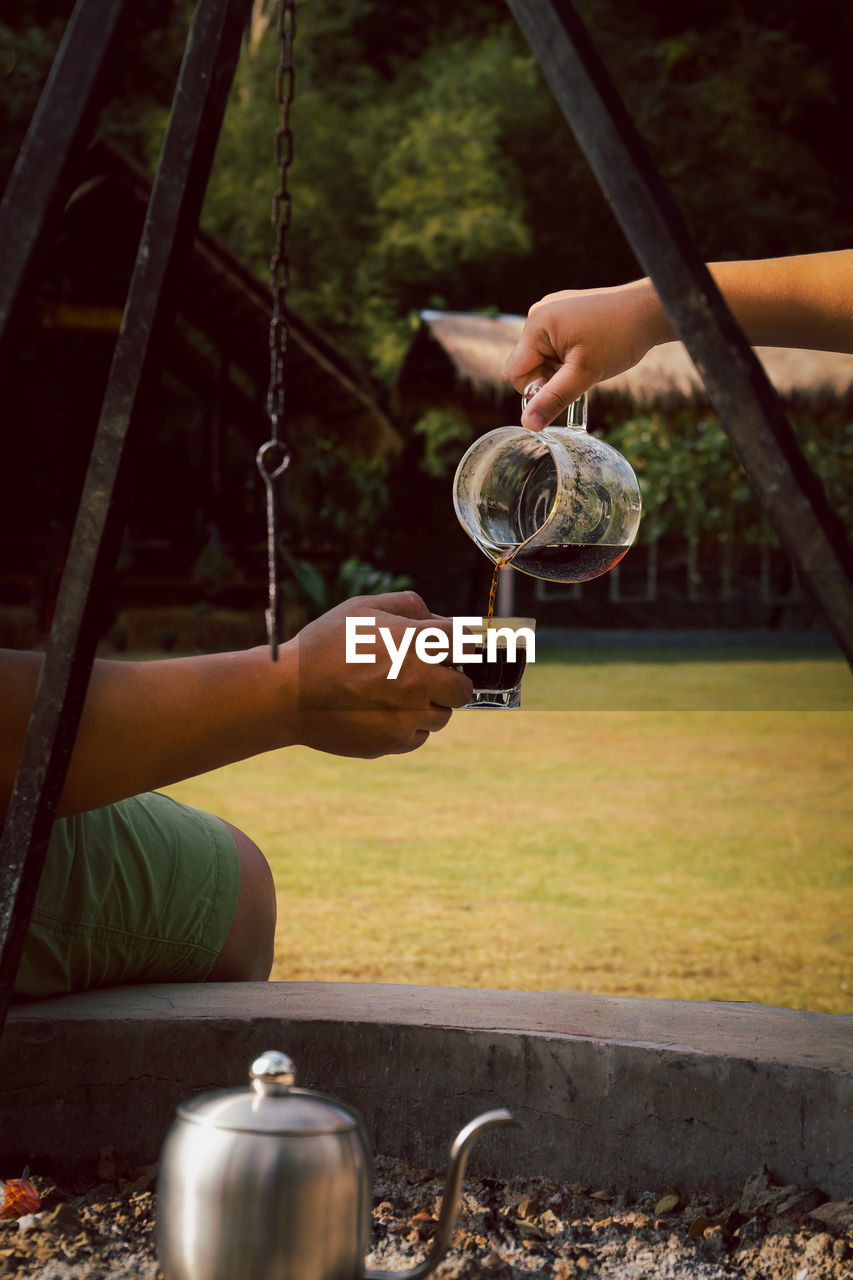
x: 504, y: 1231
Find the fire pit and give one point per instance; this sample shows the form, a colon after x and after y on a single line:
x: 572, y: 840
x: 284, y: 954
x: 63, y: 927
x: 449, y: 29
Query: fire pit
x: 505, y: 1230
x: 659, y: 1140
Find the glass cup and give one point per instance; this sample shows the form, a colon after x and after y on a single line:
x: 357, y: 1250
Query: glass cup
x: 499, y: 651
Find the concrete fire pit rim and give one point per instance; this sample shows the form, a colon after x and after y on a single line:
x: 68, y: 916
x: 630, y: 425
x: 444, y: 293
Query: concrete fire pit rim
x: 733, y: 1029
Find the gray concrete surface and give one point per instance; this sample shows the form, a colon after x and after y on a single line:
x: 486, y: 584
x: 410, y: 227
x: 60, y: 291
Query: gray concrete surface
x: 608, y: 1091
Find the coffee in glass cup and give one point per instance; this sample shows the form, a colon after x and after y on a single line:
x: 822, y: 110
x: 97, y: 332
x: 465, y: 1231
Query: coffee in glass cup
x: 498, y: 654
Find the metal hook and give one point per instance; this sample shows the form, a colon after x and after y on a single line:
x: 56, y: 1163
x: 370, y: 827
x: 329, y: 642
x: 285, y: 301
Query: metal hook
x: 270, y: 472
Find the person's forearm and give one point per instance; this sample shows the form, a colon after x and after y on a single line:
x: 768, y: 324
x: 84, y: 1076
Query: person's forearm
x: 802, y: 301
x: 576, y: 338
x: 148, y: 724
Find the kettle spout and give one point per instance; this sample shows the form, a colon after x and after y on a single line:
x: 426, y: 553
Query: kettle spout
x: 458, y: 1159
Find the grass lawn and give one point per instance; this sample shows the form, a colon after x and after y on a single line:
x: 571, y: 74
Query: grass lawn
x: 685, y: 830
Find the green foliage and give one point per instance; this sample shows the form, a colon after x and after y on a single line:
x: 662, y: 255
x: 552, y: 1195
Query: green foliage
x: 331, y: 510
x: 693, y: 483
x: 355, y: 578
x: 401, y: 192
x: 309, y: 586
x: 239, y: 198
x: 432, y: 167
x: 331, y: 499
x: 431, y: 163
x: 306, y: 584
x: 828, y: 448
x: 724, y: 134
x: 444, y: 194
x: 447, y: 434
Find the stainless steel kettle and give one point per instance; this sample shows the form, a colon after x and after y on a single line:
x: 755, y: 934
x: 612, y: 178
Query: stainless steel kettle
x: 274, y: 1183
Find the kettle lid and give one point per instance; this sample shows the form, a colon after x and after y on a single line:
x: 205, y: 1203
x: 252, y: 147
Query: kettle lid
x: 273, y: 1105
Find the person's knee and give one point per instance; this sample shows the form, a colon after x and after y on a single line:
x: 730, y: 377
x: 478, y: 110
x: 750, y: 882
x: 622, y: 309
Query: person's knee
x: 247, y: 955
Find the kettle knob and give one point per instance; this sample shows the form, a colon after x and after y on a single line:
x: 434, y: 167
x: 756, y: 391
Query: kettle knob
x: 272, y: 1073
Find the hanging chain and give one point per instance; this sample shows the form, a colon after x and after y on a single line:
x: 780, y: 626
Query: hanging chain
x: 273, y: 457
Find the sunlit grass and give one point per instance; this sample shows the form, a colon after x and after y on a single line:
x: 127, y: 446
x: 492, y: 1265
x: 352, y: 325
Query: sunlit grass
x: 675, y: 852
x: 739, y: 677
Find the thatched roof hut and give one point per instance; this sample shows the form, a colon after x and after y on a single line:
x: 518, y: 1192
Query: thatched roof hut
x: 458, y: 356
x: 667, y: 376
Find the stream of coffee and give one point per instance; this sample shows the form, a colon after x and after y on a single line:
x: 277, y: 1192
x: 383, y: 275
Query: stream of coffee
x: 493, y: 590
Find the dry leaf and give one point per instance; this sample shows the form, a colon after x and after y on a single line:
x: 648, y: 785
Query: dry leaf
x: 699, y: 1226
x: 530, y: 1231
x: 800, y: 1203
x: 760, y: 1194
x: 668, y: 1202
x: 837, y: 1214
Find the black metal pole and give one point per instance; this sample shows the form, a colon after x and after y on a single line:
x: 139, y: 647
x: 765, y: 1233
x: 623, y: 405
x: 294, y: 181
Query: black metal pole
x: 202, y: 89
x: 737, y: 385
x: 61, y: 127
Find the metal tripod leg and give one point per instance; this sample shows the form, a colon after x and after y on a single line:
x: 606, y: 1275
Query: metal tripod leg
x: 202, y: 89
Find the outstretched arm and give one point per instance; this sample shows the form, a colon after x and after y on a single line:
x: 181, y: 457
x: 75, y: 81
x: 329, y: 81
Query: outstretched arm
x: 580, y: 337
x: 148, y: 724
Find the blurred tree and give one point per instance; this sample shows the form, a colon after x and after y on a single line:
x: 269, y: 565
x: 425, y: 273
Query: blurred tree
x: 140, y: 85
x: 720, y: 110
x: 432, y: 166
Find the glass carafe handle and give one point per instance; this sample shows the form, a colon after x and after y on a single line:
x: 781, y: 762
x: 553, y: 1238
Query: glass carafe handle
x: 575, y: 415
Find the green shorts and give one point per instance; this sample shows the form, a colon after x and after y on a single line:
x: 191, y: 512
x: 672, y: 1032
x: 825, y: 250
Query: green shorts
x: 141, y: 891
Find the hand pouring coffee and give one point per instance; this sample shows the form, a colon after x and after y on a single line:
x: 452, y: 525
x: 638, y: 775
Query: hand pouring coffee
x: 274, y: 1183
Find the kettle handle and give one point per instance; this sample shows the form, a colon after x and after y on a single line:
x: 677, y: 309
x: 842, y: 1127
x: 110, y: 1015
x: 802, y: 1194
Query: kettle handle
x: 458, y: 1159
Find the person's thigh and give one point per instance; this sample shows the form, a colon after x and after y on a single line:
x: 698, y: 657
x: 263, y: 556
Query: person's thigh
x: 145, y: 890
x: 247, y: 955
